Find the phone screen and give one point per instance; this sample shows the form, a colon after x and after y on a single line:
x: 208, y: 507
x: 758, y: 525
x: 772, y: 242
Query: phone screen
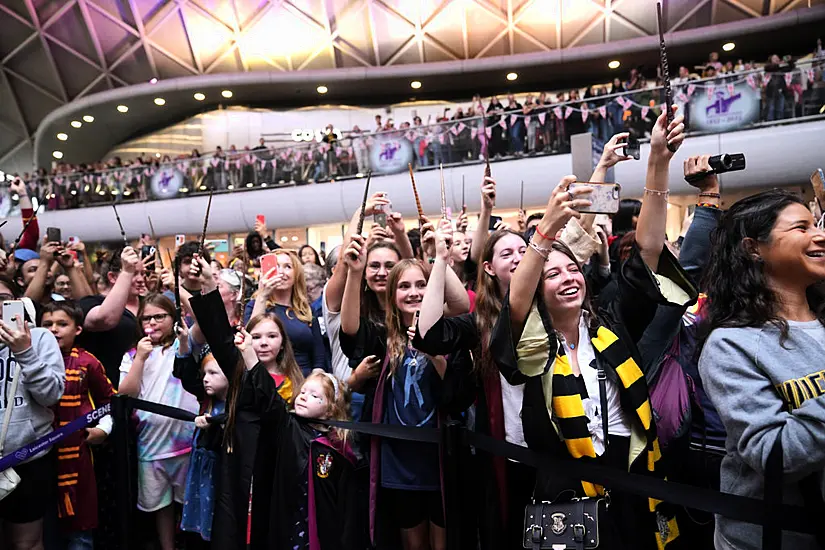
x: 53, y: 235
x: 632, y: 149
x: 494, y: 220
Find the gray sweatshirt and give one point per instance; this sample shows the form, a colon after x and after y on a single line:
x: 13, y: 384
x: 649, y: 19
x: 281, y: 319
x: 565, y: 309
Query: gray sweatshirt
x: 40, y: 387
x: 764, y: 391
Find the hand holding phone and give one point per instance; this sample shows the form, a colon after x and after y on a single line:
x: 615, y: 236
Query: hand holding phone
x: 268, y: 263
x: 12, y: 309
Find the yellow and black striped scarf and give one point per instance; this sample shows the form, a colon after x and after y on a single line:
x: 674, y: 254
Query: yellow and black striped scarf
x: 568, y: 411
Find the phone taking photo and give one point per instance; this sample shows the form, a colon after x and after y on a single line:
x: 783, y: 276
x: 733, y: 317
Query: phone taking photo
x: 604, y: 197
x: 632, y: 148
x: 268, y: 263
x: 53, y: 235
x: 12, y: 310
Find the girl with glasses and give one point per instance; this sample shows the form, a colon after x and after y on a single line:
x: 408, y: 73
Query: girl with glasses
x: 164, y: 444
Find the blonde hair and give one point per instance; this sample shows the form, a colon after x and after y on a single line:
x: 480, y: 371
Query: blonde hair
x: 396, y: 331
x: 299, y: 299
x: 339, y: 398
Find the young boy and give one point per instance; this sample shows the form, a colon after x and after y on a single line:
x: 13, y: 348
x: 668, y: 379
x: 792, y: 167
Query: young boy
x: 87, y: 388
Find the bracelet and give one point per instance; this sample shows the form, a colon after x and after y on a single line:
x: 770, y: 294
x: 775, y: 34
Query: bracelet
x: 708, y: 205
x: 543, y: 252
x: 711, y: 195
x: 657, y: 193
x: 543, y: 236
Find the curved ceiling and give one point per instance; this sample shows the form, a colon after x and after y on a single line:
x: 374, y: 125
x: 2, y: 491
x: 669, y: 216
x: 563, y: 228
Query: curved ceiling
x: 55, y: 52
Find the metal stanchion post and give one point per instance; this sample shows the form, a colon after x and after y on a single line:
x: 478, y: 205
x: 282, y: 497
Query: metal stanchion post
x: 451, y: 450
x: 120, y: 438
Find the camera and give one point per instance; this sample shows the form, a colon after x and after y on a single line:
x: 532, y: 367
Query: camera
x: 727, y: 163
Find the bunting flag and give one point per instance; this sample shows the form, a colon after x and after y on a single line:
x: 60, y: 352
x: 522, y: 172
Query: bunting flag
x: 461, y: 126
x: 623, y: 101
x: 441, y: 138
x: 513, y: 119
x: 527, y: 119
x: 766, y: 77
x: 274, y: 163
x: 811, y: 75
x: 645, y: 111
x: 557, y: 112
x: 226, y: 164
x: 691, y: 89
x: 541, y: 117
x: 489, y: 132
x: 585, y: 112
x: 215, y: 161
x: 788, y: 79
x: 503, y: 123
x: 710, y: 88
x: 263, y: 165
x: 731, y: 89
x: 751, y: 81
x: 567, y: 112
x: 603, y: 111
x: 454, y: 130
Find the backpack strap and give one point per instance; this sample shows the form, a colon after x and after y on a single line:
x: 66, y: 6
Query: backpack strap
x: 9, y: 406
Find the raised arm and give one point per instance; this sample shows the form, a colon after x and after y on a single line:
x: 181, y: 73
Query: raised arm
x: 107, y: 315
x: 650, y: 230
x: 36, y: 290
x: 432, y: 306
x: 32, y: 233
x: 560, y: 208
x: 488, y: 202
x: 354, y: 259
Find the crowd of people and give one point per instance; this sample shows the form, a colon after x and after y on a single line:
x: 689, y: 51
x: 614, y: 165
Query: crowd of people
x: 526, y: 125
x: 576, y: 334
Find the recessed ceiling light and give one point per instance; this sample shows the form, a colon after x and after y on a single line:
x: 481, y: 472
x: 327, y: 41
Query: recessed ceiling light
x: 415, y: 84
x: 199, y: 96
x: 122, y: 108
x: 512, y: 76
x: 62, y: 137
x: 615, y: 64
x: 76, y: 124
x: 226, y: 93
x: 284, y: 239
x: 322, y: 89
x: 88, y: 118
x: 160, y: 101
x: 157, y: 155
x: 57, y: 154
x: 728, y: 46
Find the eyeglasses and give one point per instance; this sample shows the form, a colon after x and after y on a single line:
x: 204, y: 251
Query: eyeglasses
x: 158, y: 317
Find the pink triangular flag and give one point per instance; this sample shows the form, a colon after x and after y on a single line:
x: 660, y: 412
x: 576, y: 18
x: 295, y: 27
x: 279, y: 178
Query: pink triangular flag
x: 603, y: 111
x: 584, y: 111
x: 710, y: 89
x: 788, y: 79
x: 751, y: 81
x: 645, y: 110
x: 691, y: 89
x: 513, y: 119
x: 542, y: 117
x: 766, y: 79
x: 527, y: 119
x: 731, y: 89
x: 557, y: 112
x: 567, y: 112
x: 454, y: 130
x: 461, y: 126
x: 503, y: 123
x: 811, y: 75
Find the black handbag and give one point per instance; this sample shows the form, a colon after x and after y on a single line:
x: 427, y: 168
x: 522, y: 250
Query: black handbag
x: 572, y: 524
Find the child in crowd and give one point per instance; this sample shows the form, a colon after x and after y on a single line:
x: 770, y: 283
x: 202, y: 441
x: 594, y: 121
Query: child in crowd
x: 202, y: 377
x: 87, y: 388
x: 164, y: 444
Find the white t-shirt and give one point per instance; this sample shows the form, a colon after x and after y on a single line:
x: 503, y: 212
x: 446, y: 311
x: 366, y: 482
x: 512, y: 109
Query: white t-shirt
x: 617, y: 423
x: 512, y: 398
x: 160, y: 436
x: 332, y: 322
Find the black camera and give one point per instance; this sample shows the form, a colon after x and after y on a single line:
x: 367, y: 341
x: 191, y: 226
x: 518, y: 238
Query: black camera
x: 727, y: 163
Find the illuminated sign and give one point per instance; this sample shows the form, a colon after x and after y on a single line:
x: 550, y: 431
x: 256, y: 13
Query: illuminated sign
x: 300, y: 135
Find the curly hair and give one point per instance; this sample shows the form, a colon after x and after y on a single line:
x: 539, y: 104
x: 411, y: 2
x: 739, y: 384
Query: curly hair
x: 735, y: 281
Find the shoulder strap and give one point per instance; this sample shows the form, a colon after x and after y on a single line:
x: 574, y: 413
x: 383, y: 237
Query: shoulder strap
x: 9, y: 406
x: 603, y: 400
x: 774, y: 476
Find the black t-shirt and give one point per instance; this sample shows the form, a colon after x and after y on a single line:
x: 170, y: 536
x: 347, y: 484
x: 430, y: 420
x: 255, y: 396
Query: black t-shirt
x: 110, y: 345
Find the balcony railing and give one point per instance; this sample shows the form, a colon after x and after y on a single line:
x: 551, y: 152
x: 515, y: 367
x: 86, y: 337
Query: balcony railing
x: 727, y: 103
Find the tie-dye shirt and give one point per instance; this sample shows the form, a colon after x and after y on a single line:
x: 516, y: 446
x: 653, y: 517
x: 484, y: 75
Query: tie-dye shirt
x: 160, y: 436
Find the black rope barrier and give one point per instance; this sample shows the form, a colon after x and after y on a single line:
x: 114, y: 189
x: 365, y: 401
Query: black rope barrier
x: 454, y: 437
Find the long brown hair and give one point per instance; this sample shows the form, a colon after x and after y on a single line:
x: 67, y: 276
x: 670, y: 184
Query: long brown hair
x: 286, y: 364
x: 370, y: 304
x: 299, y: 300
x: 489, y: 302
x: 164, y: 303
x: 396, y: 331
x: 587, y: 306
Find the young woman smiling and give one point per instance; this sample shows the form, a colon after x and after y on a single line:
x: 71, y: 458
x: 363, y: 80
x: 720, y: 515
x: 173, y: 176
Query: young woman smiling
x: 549, y: 339
x: 762, y: 361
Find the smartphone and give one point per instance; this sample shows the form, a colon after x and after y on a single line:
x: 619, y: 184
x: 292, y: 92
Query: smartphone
x: 146, y: 251
x: 268, y: 262
x: 72, y: 253
x: 605, y: 197
x: 380, y: 218
x: 11, y: 310
x: 261, y: 219
x: 494, y: 220
x: 632, y: 149
x: 53, y: 235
